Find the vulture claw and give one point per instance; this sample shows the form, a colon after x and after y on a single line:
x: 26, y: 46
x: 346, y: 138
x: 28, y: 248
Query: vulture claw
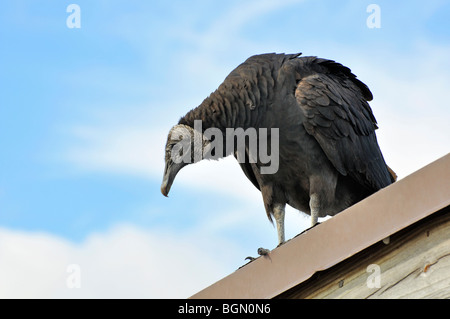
x: 263, y: 251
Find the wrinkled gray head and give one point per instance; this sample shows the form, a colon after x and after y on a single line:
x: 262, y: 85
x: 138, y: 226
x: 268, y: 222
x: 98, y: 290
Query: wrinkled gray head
x: 184, y: 146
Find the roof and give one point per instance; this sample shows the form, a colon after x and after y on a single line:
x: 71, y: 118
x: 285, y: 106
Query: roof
x: 371, y: 220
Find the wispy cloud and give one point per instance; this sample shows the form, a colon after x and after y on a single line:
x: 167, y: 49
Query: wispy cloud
x: 124, y: 262
x: 138, y: 151
x: 410, y: 106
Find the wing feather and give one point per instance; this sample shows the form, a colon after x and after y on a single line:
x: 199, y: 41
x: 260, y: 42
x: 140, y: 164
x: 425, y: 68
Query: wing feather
x: 338, y: 115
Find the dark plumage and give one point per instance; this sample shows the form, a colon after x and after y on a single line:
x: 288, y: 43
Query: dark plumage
x: 329, y: 157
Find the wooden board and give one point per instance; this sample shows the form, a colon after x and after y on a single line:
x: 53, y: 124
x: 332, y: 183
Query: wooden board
x: 412, y: 263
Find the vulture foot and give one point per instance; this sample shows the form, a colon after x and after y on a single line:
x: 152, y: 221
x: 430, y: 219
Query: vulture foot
x: 261, y: 252
x: 317, y: 223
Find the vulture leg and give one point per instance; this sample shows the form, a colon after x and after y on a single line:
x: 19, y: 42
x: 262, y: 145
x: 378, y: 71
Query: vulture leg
x: 321, y: 192
x: 314, y: 205
x: 278, y: 213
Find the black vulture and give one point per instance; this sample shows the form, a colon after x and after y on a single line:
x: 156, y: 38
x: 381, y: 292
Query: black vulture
x: 326, y: 151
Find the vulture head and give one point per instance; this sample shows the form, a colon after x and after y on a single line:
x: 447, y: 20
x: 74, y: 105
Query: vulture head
x: 184, y: 146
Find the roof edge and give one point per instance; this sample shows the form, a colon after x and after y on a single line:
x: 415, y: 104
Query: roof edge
x: 354, y: 229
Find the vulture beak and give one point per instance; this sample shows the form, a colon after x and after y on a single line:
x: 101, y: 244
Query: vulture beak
x: 171, y: 170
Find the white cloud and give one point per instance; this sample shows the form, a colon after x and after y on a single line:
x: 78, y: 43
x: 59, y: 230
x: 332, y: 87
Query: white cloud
x: 124, y: 262
x: 410, y: 104
x: 221, y: 42
x: 135, y: 150
x: 225, y: 30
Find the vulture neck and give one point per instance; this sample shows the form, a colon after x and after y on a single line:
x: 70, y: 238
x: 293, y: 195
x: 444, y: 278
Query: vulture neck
x: 221, y: 110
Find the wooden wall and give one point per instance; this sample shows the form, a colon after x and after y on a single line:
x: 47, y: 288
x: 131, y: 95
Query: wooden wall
x: 412, y: 263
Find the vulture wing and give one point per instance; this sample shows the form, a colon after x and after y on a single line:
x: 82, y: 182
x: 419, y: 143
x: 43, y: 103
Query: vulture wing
x: 337, y: 114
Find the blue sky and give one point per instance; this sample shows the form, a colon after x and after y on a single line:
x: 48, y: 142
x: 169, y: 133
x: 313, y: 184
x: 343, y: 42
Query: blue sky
x: 84, y: 114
